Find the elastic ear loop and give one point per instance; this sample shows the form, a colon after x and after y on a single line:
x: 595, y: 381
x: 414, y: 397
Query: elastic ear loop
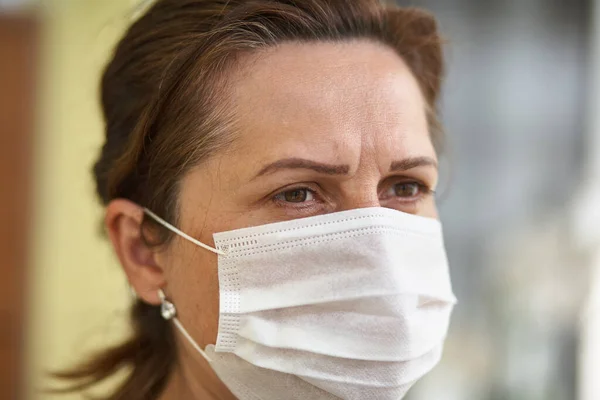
x: 181, y: 233
x: 168, y: 312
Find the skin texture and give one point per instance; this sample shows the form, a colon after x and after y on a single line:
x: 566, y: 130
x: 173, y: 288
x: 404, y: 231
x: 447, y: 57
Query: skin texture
x: 352, y: 105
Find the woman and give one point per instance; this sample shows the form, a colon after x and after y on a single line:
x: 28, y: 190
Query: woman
x: 268, y: 176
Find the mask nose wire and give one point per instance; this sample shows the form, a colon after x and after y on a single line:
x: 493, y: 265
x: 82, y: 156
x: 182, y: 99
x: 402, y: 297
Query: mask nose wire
x: 181, y: 233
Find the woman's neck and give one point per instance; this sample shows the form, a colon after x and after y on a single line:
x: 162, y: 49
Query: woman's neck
x: 193, y: 379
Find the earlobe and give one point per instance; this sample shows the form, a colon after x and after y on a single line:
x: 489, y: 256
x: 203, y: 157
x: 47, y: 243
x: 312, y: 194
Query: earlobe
x: 123, y: 221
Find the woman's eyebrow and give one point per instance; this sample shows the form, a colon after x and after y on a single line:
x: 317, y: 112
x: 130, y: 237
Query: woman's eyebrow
x: 329, y: 169
x: 412, y: 162
x: 301, y: 163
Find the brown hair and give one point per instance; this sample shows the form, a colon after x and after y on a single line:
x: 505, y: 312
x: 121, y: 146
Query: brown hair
x: 160, y: 98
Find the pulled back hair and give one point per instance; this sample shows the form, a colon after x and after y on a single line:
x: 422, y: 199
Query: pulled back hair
x: 164, y: 113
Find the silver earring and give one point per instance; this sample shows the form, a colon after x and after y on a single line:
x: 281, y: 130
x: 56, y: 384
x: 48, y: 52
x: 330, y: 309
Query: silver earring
x: 132, y: 292
x: 167, y: 309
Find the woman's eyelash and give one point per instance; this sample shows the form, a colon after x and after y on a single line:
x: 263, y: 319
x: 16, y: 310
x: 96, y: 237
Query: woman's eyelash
x: 296, y: 195
x: 305, y: 194
x: 426, y: 189
x: 419, y: 189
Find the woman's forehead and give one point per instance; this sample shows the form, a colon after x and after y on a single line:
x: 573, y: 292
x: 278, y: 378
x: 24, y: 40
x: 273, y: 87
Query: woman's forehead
x: 323, y: 75
x: 329, y: 99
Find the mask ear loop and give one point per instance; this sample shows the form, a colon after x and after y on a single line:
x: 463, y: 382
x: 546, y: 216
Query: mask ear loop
x: 167, y: 309
x: 182, y: 234
x: 169, y: 312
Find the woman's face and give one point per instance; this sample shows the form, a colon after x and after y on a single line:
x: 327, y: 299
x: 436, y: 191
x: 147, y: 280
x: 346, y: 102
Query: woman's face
x: 322, y: 128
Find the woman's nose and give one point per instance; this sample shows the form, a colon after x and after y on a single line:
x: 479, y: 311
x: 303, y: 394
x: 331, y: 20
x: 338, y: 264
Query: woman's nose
x: 360, y: 199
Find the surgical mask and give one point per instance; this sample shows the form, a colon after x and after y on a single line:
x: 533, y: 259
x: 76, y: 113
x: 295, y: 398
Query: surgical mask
x: 348, y: 305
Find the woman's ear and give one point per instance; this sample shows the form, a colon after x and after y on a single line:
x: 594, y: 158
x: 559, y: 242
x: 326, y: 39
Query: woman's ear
x: 123, y: 223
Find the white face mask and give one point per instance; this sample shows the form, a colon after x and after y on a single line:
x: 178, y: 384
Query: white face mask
x: 349, y: 305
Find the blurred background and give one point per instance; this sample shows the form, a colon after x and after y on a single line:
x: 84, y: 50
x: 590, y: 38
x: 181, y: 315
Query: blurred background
x: 521, y: 204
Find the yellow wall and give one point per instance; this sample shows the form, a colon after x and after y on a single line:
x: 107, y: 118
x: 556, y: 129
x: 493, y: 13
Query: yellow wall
x: 78, y: 295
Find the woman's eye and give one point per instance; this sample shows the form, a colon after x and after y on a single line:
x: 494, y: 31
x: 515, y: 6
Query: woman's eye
x: 407, y: 190
x: 301, y: 195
